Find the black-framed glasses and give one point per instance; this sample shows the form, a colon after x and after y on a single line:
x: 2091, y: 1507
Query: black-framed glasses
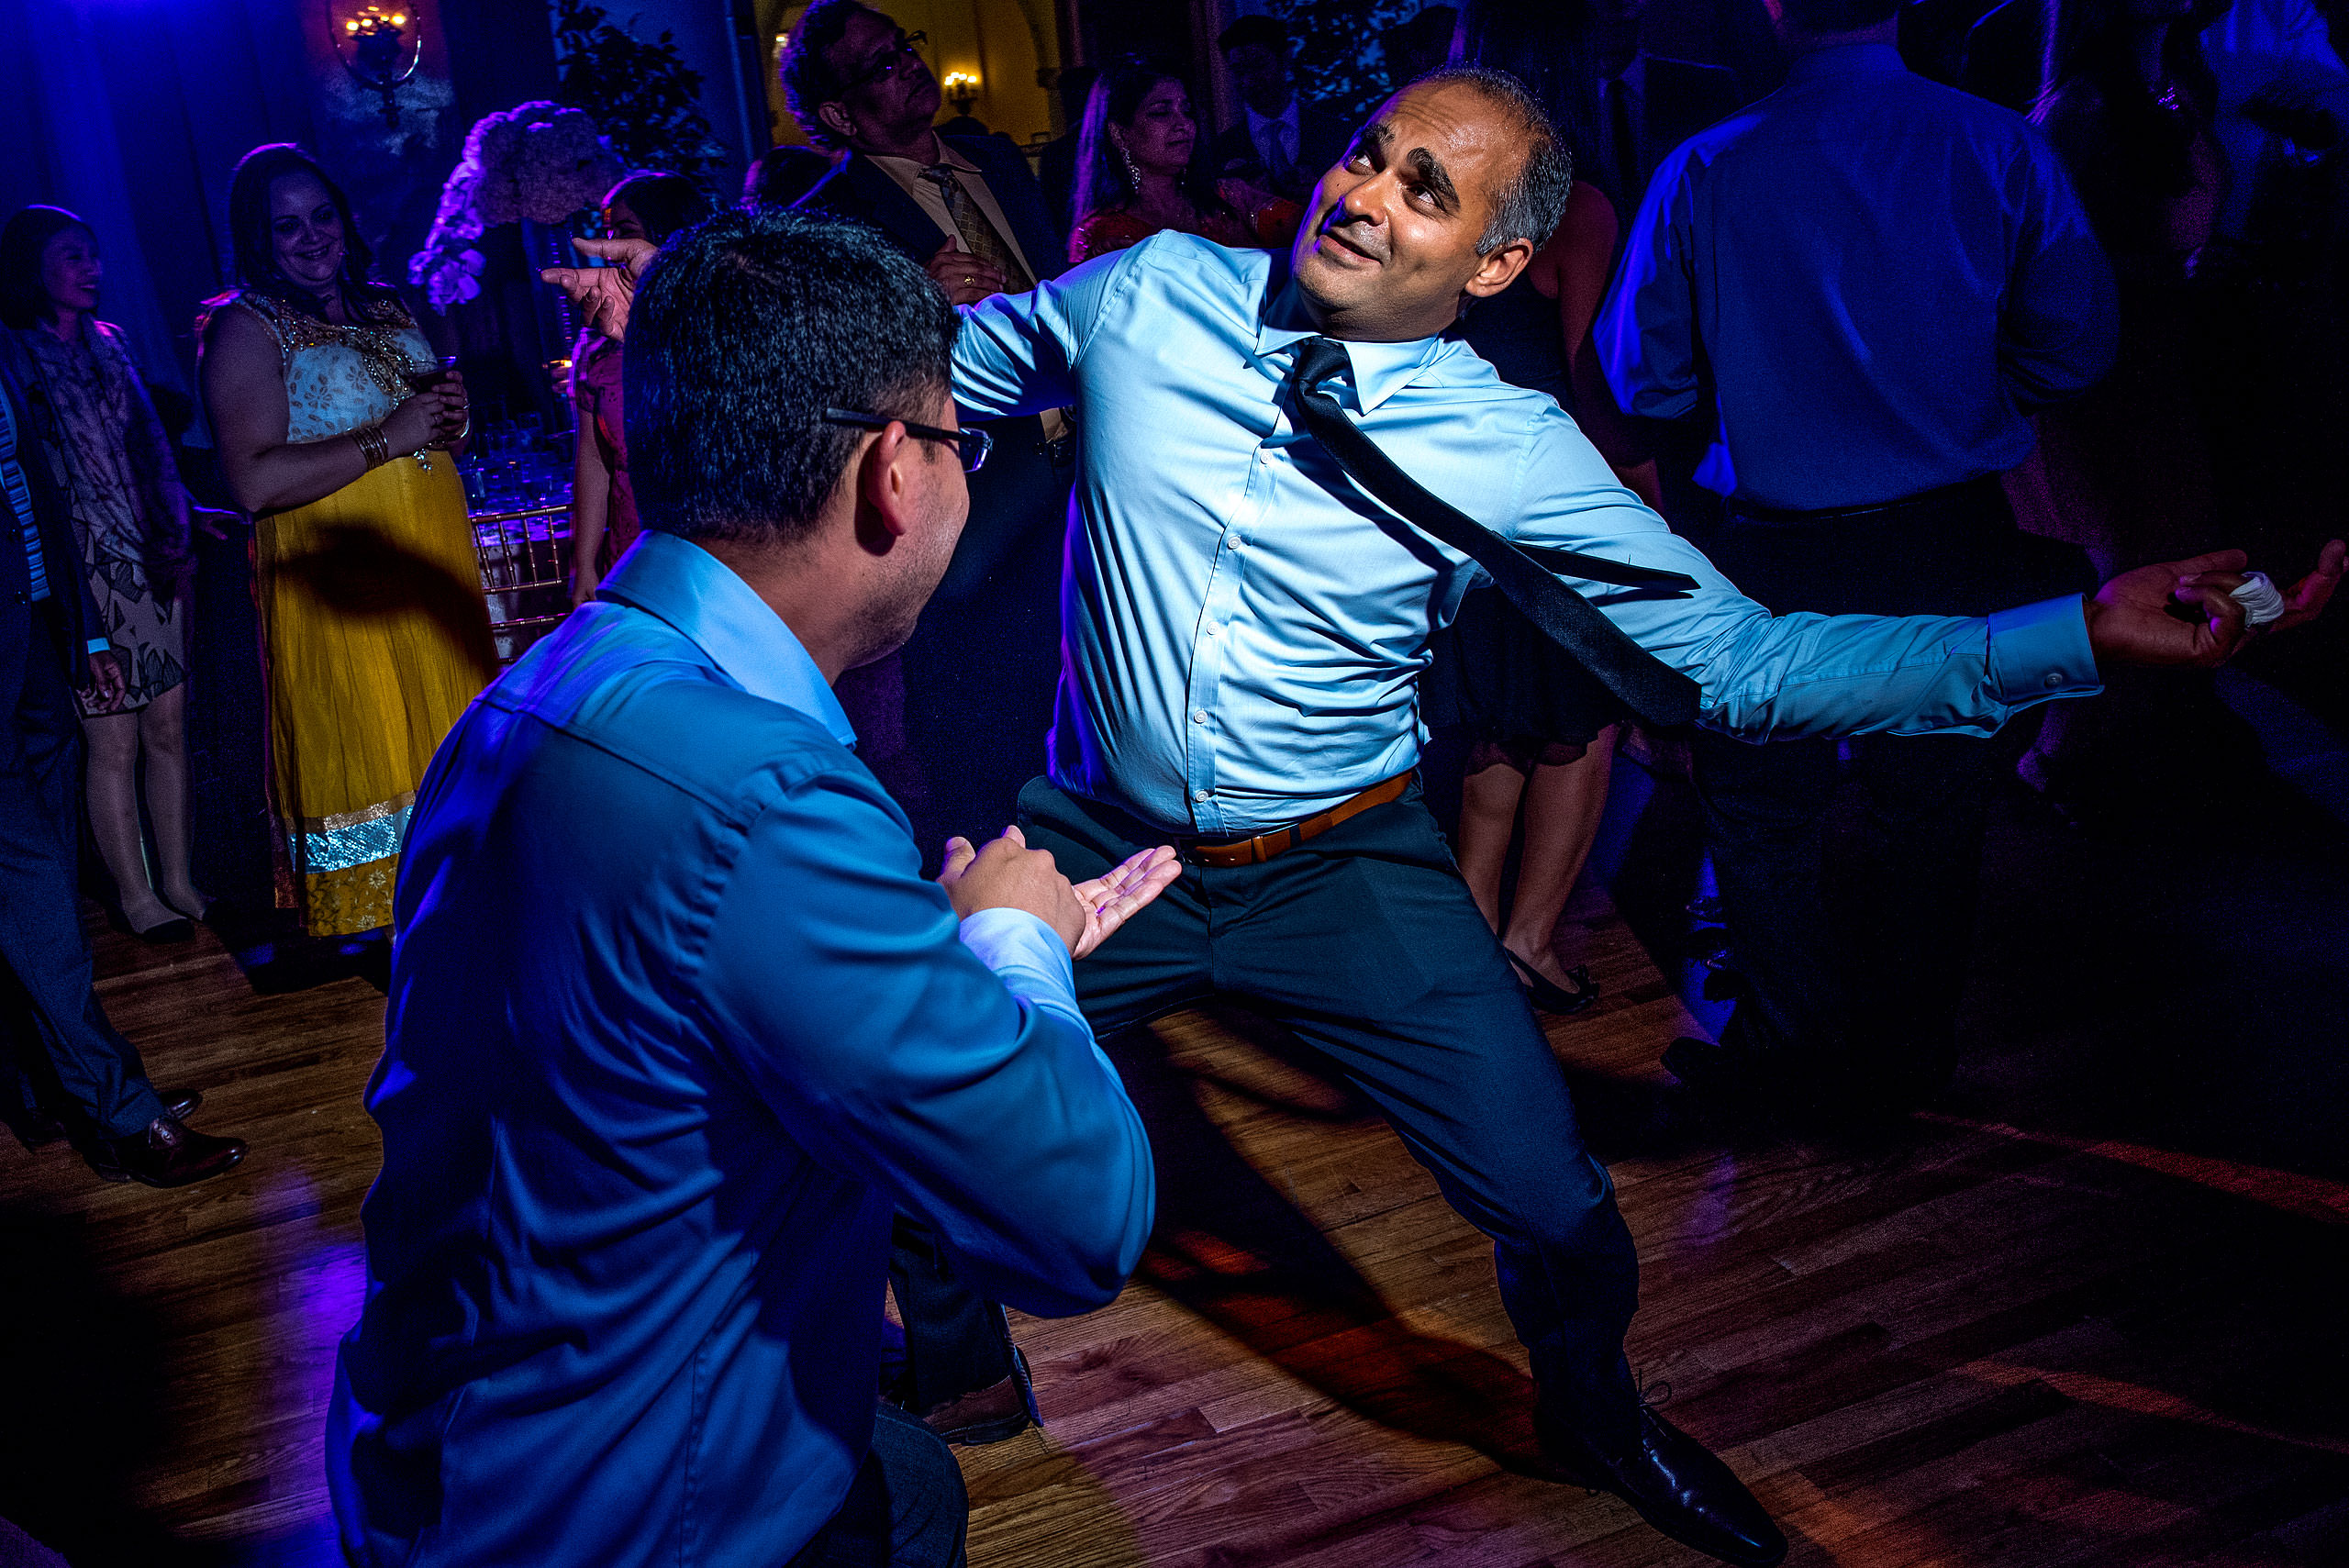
x: 888, y: 64
x: 971, y: 446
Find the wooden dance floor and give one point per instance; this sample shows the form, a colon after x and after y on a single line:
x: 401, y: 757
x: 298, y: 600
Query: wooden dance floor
x: 2094, y: 1316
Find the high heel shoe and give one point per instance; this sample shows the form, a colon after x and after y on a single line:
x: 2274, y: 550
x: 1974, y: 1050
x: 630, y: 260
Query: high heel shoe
x: 1551, y: 998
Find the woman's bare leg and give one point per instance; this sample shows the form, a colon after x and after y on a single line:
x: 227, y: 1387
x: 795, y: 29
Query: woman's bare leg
x: 1488, y: 798
x: 113, y: 795
x: 162, y: 736
x: 1563, y: 805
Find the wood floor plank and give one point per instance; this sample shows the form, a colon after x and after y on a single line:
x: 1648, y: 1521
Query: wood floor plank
x: 1961, y: 1343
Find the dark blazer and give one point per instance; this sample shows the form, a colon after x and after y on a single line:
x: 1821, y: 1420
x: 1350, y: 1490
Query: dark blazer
x: 1056, y: 172
x: 1322, y: 139
x: 858, y: 189
x: 69, y: 582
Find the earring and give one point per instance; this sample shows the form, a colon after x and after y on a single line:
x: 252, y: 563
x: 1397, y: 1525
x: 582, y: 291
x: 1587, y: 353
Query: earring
x: 1133, y: 174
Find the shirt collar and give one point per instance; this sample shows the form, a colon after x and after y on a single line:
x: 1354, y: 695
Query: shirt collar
x: 692, y: 590
x: 947, y: 154
x: 1847, y: 60
x: 1380, y: 370
x: 1286, y: 116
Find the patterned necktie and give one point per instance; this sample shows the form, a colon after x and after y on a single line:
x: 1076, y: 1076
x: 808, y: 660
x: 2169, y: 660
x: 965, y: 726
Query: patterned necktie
x: 979, y: 235
x: 1647, y: 685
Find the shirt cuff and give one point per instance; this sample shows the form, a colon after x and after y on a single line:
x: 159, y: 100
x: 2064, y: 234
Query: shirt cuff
x: 1028, y: 957
x: 2039, y: 652
x: 99, y: 645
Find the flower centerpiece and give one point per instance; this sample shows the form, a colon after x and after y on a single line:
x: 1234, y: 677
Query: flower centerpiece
x: 538, y: 160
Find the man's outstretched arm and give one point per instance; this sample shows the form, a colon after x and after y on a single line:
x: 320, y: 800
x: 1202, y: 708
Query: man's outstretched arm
x: 1767, y: 676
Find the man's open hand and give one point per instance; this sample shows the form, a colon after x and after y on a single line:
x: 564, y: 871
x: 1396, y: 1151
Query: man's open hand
x: 2130, y: 620
x: 603, y: 294
x: 1129, y: 887
x: 1007, y: 875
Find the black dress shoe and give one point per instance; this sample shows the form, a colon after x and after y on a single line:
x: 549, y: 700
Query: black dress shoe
x: 1552, y: 998
x: 168, y: 1153
x: 1675, y: 1483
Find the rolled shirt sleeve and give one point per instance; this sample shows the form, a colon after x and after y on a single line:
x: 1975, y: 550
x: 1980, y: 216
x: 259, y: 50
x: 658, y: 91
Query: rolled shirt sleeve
x: 942, y: 1062
x: 2060, y: 326
x: 1646, y: 331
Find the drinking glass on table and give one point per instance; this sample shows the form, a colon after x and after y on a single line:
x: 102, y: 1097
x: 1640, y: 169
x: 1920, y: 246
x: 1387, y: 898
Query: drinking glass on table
x: 424, y: 377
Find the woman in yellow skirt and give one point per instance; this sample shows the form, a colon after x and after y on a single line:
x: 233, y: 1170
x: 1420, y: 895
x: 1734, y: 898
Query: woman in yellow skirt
x: 373, y: 623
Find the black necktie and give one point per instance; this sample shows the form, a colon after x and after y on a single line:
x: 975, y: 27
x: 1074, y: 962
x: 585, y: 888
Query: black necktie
x: 1648, y: 687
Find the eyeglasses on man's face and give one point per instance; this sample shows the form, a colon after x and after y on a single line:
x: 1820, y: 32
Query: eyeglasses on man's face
x: 971, y: 446
x: 890, y: 63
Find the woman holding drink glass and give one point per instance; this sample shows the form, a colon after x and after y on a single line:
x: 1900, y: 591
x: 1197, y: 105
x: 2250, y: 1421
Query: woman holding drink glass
x: 328, y: 403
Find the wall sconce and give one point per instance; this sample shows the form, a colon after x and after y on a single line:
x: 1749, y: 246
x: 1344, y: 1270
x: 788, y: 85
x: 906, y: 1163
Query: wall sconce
x: 376, y: 47
x: 962, y: 89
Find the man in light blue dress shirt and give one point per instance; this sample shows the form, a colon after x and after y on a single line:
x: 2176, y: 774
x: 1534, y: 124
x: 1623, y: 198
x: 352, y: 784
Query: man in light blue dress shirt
x: 675, y: 1024
x: 1242, y: 630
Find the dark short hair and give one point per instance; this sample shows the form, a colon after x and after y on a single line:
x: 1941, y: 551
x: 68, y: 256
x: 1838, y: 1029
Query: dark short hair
x: 809, y: 80
x: 1530, y: 205
x: 253, y: 257
x: 784, y: 174
x: 24, y: 302
x: 1820, y: 18
x: 663, y: 202
x: 1253, y: 28
x: 745, y: 331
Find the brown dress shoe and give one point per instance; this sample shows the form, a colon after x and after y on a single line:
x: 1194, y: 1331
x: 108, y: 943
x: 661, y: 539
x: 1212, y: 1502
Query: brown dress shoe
x: 168, y: 1153
x: 989, y: 1414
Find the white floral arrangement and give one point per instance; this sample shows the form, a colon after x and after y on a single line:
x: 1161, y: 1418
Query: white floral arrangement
x: 538, y: 161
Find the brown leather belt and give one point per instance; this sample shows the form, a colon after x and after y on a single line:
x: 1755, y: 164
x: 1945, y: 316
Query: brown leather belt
x: 1265, y: 846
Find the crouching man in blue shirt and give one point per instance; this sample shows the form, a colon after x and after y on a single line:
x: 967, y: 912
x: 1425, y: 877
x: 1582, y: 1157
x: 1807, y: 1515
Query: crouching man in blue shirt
x: 675, y: 1024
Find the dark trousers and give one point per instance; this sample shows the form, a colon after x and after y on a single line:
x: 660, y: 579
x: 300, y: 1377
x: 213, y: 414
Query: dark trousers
x: 62, y: 1054
x: 1365, y: 945
x: 1877, y: 1011
x: 956, y: 1342
x: 906, y: 1508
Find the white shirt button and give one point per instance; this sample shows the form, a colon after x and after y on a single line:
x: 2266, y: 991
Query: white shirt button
x: 1198, y: 795
x: 2055, y: 679
x: 1199, y: 716
x: 1211, y: 631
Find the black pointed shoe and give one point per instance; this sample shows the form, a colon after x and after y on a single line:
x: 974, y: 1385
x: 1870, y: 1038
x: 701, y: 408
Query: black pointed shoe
x: 1550, y: 997
x: 167, y: 1154
x: 1675, y: 1483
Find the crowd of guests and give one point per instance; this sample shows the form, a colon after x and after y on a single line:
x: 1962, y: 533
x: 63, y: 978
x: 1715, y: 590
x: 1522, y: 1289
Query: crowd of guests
x: 1876, y: 341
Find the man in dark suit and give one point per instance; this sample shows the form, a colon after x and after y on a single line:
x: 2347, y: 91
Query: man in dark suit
x: 977, y: 678
x: 1282, y: 143
x: 954, y: 722
x: 70, y: 1063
